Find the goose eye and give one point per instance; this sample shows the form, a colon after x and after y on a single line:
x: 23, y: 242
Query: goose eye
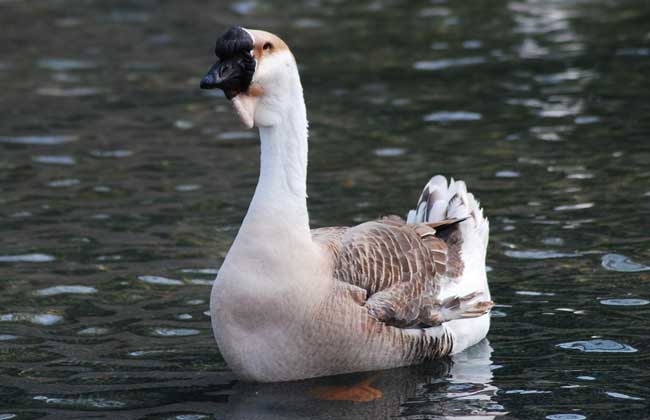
x: 267, y: 46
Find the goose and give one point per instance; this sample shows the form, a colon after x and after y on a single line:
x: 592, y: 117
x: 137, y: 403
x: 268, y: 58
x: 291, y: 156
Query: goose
x: 291, y: 302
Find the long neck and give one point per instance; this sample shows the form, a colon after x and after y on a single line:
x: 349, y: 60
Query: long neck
x: 279, y: 205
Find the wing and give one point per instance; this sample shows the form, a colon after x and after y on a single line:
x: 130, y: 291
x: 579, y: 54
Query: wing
x: 399, y: 268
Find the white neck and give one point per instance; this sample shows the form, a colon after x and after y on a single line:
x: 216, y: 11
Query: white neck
x: 279, y: 206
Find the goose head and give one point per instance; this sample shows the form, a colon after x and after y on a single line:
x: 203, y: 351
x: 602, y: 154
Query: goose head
x: 257, y: 72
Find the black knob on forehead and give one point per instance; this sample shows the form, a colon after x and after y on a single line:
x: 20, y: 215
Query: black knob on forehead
x: 234, y: 41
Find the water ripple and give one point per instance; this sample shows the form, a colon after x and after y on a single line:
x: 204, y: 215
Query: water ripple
x: 55, y: 160
x: 160, y: 280
x: 39, y: 319
x: 111, y: 153
x: 88, y: 402
x: 39, y: 140
x: 389, y: 151
x: 33, y: 258
x: 432, y: 65
x: 625, y: 302
x: 540, y: 254
x: 59, y: 290
x: 7, y: 337
x: 66, y: 92
x: 623, y: 396
x: 598, y: 346
x: 579, y: 206
x: 175, y: 332
x: 62, y: 64
x: 63, y: 183
x: 449, y: 116
x: 618, y: 262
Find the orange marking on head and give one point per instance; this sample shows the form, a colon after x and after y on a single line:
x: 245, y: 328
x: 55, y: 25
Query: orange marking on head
x: 266, y: 43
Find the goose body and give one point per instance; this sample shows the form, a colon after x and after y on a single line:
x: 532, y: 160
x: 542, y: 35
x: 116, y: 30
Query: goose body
x: 292, y: 303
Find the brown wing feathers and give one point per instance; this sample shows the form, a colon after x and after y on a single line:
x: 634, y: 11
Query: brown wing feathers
x: 399, y: 265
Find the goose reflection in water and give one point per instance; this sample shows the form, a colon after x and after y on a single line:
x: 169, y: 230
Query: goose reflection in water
x: 459, y: 387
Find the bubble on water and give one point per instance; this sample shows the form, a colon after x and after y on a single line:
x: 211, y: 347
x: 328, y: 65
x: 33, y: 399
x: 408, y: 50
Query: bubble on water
x: 579, y: 206
x: 55, y: 160
x: 623, y: 396
x: 60, y: 290
x: 540, y: 254
x: 598, y: 346
x: 32, y: 258
x: 175, y: 332
x: 566, y: 417
x: 94, y: 331
x: 618, y: 262
x: 625, y: 302
x: 39, y: 319
x: 62, y: 64
x: 586, y: 378
x: 160, y: 280
x: 183, y: 317
x: 39, y: 140
x: 450, y: 116
x: 433, y: 65
x: 389, y: 151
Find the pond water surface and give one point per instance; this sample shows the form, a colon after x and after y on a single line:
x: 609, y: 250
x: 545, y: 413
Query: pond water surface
x: 122, y: 185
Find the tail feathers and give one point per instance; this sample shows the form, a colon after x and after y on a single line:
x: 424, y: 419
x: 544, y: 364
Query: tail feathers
x: 441, y: 200
x: 472, y: 305
x: 468, y: 306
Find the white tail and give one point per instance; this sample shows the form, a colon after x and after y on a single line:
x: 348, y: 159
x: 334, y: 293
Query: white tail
x: 441, y: 200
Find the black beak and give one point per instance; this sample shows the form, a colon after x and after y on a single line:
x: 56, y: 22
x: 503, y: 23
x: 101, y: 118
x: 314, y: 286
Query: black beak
x: 218, y: 78
x: 234, y: 71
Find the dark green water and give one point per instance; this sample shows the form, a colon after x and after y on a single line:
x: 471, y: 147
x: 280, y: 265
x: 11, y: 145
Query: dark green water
x: 122, y: 186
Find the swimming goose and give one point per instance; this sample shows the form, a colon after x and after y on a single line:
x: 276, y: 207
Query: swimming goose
x: 291, y: 302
